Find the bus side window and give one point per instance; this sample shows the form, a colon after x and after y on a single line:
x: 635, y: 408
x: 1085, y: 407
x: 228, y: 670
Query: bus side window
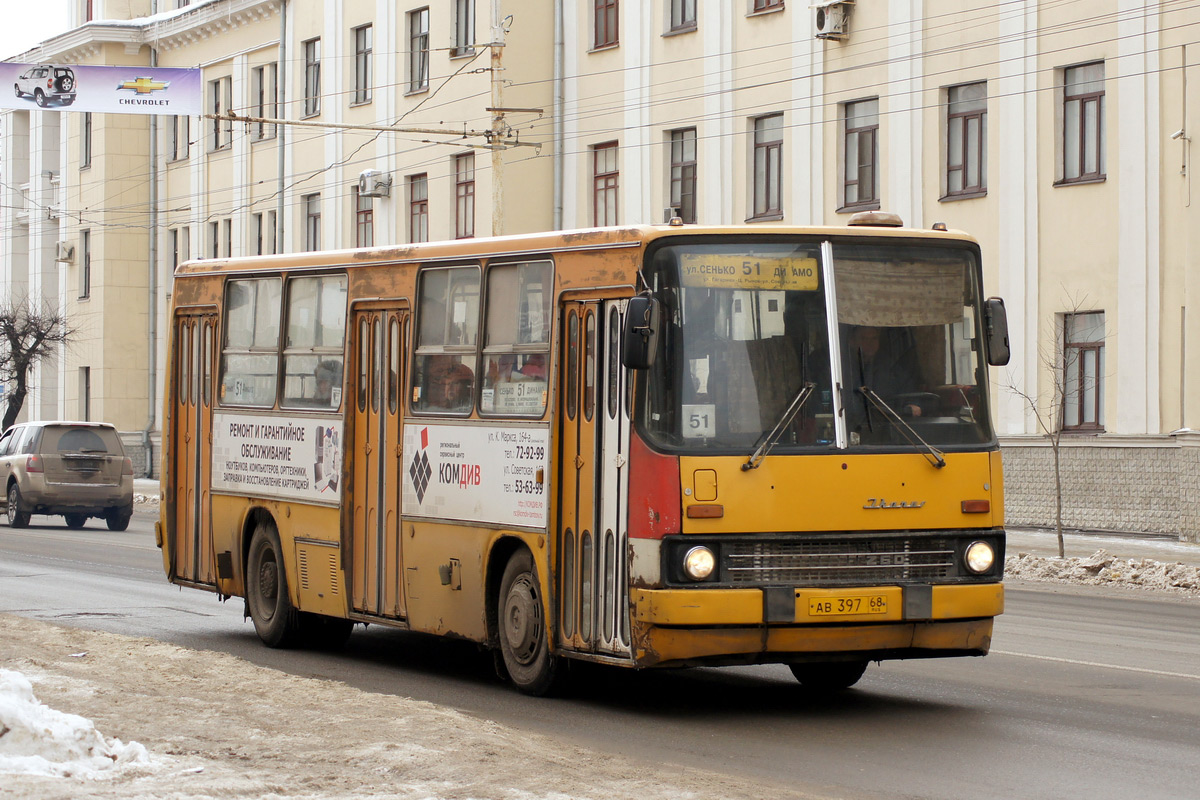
x: 250, y: 358
x: 447, y: 340
x: 316, y: 333
x: 516, y: 348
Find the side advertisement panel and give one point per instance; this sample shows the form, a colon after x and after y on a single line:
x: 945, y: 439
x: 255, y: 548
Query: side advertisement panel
x: 298, y: 458
x: 489, y: 474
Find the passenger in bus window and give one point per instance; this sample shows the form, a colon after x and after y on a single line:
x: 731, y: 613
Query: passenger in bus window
x: 328, y: 375
x: 451, y: 383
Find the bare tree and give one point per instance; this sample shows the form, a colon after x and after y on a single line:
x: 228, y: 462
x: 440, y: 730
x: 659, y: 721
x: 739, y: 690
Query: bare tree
x: 1049, y: 407
x: 29, y: 333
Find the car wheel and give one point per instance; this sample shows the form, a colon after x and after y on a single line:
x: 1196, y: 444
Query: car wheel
x: 39, y: 97
x: 524, y: 641
x: 16, y: 517
x: 118, y: 518
x: 276, y: 621
x: 17, y: 89
x: 76, y: 521
x: 829, y: 676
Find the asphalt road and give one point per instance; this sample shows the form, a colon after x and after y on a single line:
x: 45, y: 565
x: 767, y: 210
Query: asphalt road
x: 1088, y: 692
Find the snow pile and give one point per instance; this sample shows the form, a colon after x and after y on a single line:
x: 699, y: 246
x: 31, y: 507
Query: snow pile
x: 1102, y: 569
x: 37, y: 740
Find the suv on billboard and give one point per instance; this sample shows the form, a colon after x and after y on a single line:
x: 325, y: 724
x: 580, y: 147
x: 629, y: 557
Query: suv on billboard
x: 47, y: 83
x: 76, y: 469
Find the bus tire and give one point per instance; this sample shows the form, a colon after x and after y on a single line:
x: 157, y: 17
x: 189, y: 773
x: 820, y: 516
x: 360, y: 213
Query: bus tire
x: 829, y: 676
x: 276, y: 621
x: 524, y: 639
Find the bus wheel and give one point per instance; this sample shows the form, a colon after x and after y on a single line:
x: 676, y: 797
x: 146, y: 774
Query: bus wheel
x: 275, y: 620
x: 830, y: 676
x: 523, y: 636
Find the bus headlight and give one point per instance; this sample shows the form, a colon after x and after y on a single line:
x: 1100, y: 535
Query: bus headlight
x: 699, y: 563
x: 979, y: 557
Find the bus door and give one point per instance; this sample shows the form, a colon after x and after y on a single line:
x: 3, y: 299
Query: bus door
x: 191, y: 462
x: 377, y: 409
x: 593, y: 595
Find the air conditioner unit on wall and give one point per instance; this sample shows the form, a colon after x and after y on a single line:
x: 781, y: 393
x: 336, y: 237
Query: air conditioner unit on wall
x: 65, y: 252
x: 373, y: 183
x: 832, y: 19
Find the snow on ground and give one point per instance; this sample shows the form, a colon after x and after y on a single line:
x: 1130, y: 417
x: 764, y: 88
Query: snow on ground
x: 1103, y: 569
x: 38, y: 740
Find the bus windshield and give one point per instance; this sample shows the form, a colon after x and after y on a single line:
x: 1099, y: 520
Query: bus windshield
x: 747, y: 331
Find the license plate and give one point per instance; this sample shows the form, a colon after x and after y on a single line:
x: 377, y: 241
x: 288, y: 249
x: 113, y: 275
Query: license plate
x: 838, y: 606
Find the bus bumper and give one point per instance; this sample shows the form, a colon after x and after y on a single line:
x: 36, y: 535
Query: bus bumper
x: 675, y: 627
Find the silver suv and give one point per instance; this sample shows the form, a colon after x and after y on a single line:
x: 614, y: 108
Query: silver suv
x: 77, y: 469
x: 47, y: 83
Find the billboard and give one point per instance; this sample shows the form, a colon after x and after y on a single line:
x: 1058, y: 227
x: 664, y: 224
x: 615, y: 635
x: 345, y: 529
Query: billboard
x: 108, y: 90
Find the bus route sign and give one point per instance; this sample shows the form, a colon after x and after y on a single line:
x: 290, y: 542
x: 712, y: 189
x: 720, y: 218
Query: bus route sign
x: 721, y: 271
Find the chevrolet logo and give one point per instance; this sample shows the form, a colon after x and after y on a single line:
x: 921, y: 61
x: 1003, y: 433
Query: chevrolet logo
x: 144, y: 85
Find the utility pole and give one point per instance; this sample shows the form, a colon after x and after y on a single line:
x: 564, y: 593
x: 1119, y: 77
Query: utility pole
x: 497, y: 135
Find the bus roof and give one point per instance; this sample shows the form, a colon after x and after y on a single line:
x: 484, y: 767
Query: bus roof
x: 537, y: 243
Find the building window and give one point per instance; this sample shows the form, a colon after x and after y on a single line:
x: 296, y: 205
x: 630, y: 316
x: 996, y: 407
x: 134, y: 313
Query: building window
x: 464, y: 28
x: 180, y: 246
x: 85, y: 139
x: 85, y: 393
x: 966, y: 139
x: 312, y: 77
x: 85, y: 265
x: 312, y: 221
x: 607, y: 20
x: 683, y: 173
x: 768, y: 167
x: 181, y: 135
x: 862, y: 154
x: 264, y: 233
x: 220, y: 238
x: 418, y: 50
x: 220, y: 101
x: 362, y: 64
x: 265, y: 86
x: 364, y: 219
x: 1083, y: 123
x: 1083, y: 371
x: 606, y: 182
x: 464, y: 196
x: 767, y: 5
x: 418, y: 208
x: 683, y: 15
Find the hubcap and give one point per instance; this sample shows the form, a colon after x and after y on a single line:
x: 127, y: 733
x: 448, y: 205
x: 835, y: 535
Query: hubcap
x: 12, y: 505
x: 268, y: 586
x: 523, y: 620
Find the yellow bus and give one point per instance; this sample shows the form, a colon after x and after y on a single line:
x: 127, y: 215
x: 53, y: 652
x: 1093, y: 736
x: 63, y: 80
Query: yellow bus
x: 650, y: 446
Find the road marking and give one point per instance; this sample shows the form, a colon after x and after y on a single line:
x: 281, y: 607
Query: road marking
x: 1163, y: 673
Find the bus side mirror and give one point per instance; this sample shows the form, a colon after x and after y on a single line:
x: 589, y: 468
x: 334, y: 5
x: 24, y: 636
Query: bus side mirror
x: 995, y: 320
x: 640, y: 340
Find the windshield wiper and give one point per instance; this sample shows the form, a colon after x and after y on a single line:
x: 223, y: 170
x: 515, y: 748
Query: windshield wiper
x: 934, y: 455
x: 789, y: 414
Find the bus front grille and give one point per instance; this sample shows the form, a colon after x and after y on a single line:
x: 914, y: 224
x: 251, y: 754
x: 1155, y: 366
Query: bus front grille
x: 849, y: 561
